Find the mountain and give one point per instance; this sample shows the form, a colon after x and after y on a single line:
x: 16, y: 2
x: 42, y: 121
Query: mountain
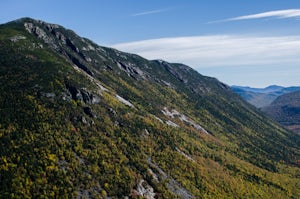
x: 261, y: 97
x: 83, y: 121
x: 269, y: 89
x: 286, y: 110
x: 279, y: 103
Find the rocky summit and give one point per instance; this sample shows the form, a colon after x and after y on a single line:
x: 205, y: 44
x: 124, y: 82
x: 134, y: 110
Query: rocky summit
x: 83, y: 121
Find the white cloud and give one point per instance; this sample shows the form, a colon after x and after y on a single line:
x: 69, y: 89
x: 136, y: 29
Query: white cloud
x: 149, y: 12
x: 219, y: 50
x: 289, y: 13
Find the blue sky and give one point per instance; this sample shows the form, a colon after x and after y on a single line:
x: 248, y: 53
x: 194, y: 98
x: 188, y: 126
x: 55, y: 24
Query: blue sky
x: 254, y: 43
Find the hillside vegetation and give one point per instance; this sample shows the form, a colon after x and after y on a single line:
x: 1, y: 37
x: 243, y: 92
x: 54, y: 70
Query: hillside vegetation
x: 286, y: 110
x: 83, y: 121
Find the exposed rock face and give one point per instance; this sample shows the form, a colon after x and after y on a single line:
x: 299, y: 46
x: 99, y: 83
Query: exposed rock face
x: 79, y: 64
x: 173, y: 185
x: 132, y: 71
x: 174, y: 72
x: 170, y: 123
x: 48, y: 95
x: 51, y: 35
x: 71, y: 45
x: 49, y: 26
x: 17, y: 38
x: 145, y: 190
x: 173, y: 114
x: 76, y: 95
x: 124, y: 101
x: 83, y: 95
x: 79, y: 118
x: 89, y: 112
x: 40, y: 33
x: 89, y: 98
x: 61, y: 37
x: 184, y: 74
x: 185, y: 155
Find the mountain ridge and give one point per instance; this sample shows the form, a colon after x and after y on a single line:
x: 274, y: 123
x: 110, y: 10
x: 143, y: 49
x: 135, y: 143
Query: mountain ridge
x: 260, y: 97
x: 91, y: 121
x: 285, y: 110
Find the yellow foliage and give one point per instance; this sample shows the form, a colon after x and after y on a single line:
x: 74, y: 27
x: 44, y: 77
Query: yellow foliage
x: 51, y: 167
x: 52, y: 157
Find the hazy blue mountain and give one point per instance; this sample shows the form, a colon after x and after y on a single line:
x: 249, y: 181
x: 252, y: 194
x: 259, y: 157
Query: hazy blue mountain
x: 286, y: 110
x: 78, y: 120
x: 261, y: 97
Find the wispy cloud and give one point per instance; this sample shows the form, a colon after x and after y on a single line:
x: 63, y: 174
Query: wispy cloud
x: 219, y: 50
x: 290, y: 13
x: 149, y: 12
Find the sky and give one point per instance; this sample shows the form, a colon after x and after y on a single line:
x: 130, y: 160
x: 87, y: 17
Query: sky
x: 249, y: 43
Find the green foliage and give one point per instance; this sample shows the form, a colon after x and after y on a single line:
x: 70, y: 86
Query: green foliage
x: 52, y: 148
x: 286, y: 110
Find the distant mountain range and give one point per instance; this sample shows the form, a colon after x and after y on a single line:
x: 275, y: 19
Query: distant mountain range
x: 282, y: 104
x: 261, y: 97
x: 286, y: 110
